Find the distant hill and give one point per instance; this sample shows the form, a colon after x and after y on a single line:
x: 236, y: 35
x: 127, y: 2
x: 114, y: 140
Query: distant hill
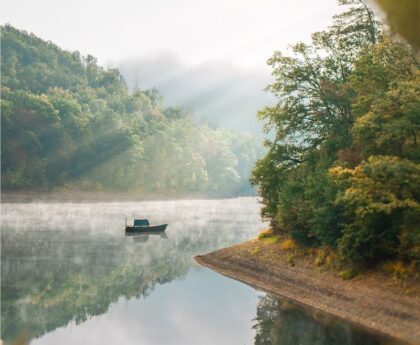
x: 69, y: 123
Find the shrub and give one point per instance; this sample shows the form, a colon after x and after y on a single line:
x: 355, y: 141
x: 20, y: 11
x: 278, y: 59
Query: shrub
x: 400, y: 270
x: 265, y: 234
x: 348, y: 274
x: 288, y: 244
x: 381, y: 199
x: 272, y: 240
x: 290, y: 260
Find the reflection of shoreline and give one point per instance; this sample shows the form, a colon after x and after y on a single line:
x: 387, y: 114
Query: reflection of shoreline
x: 79, y: 278
x: 69, y: 262
x: 382, y: 309
x: 283, y: 322
x: 101, y: 196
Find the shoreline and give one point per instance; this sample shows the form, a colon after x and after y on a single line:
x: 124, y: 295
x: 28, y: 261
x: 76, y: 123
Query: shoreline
x: 368, y: 302
x: 104, y: 196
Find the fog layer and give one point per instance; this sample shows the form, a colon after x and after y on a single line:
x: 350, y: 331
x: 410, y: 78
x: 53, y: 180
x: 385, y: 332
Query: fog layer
x: 220, y: 93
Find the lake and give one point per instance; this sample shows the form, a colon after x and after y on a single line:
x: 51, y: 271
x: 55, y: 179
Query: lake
x: 71, y: 276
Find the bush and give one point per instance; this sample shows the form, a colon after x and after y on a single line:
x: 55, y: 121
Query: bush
x: 381, y: 199
x: 288, y: 244
x: 265, y: 234
x: 348, y: 274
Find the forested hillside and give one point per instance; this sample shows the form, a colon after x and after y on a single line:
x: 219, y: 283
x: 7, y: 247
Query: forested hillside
x: 344, y: 168
x: 67, y: 122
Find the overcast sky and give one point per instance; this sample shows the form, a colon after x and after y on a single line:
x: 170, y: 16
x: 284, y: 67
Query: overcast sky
x: 178, y: 41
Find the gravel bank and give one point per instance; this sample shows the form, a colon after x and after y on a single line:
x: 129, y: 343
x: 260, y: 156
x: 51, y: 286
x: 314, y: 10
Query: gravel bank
x: 368, y: 300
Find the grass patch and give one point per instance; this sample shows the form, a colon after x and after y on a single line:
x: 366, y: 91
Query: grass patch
x: 272, y: 240
x: 348, y: 274
x: 268, y: 236
x: 400, y: 270
x: 320, y: 260
x: 325, y: 257
x: 290, y: 260
x: 265, y: 234
x: 288, y: 244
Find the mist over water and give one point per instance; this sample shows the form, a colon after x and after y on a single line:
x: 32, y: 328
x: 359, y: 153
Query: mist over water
x: 109, y: 217
x: 71, y: 276
x: 66, y: 263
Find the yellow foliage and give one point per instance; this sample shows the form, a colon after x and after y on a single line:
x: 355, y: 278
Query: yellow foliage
x: 332, y: 260
x: 290, y: 260
x: 320, y: 260
x: 383, y: 187
x: 265, y: 234
x: 348, y: 274
x: 328, y: 257
x: 400, y: 270
x: 288, y: 244
x: 272, y: 240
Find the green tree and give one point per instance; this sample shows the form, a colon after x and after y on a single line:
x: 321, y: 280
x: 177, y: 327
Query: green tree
x: 341, y: 169
x: 67, y: 122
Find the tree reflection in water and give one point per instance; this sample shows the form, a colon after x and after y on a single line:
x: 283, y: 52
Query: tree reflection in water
x: 281, y: 322
x: 69, y: 262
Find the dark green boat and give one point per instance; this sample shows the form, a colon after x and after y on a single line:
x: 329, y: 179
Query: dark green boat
x: 142, y: 225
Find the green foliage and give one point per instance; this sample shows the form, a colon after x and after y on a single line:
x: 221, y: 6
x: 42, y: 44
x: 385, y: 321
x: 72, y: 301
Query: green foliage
x: 272, y: 239
x: 343, y: 169
x: 265, y: 234
x: 290, y: 260
x: 69, y: 123
x: 348, y: 274
x: 382, y: 201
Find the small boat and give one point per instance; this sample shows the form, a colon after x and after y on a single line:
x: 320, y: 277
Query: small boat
x: 142, y: 225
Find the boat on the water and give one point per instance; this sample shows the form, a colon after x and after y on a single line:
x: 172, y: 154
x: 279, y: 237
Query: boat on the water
x: 143, y: 226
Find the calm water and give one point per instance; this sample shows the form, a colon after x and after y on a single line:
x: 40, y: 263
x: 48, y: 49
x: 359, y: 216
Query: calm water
x: 71, y: 276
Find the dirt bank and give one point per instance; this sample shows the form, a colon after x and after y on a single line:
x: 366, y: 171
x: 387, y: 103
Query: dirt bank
x: 372, y: 300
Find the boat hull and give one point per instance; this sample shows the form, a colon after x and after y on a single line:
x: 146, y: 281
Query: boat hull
x: 146, y: 229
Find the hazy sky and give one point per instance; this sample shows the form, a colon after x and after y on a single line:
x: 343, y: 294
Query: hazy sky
x: 209, y: 55
x: 244, y: 32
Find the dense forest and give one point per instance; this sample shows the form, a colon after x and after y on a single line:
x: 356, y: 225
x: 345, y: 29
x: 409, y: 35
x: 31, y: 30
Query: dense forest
x: 69, y: 123
x: 344, y: 167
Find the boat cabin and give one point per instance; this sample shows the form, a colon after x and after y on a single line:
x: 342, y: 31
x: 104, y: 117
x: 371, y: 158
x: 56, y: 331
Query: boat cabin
x: 141, y: 222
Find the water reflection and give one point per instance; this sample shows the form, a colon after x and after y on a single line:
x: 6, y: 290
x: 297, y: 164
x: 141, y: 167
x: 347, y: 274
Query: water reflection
x: 69, y: 262
x: 281, y: 322
x: 70, y: 275
x: 144, y: 237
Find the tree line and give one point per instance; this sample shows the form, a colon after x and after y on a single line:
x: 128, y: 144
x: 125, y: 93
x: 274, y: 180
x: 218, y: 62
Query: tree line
x: 343, y: 169
x: 69, y: 123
